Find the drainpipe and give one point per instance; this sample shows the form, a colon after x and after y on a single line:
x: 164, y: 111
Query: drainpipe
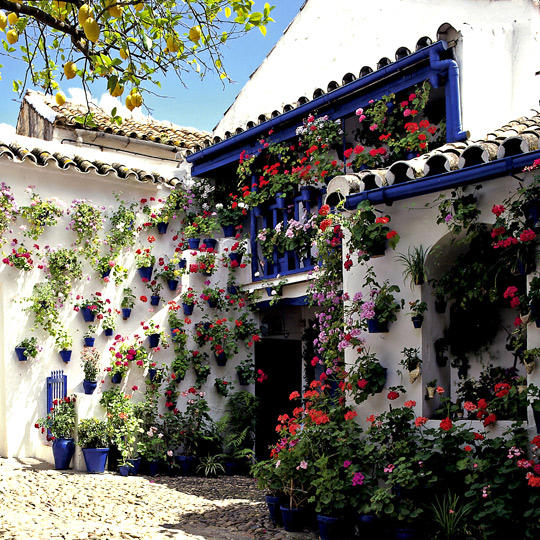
x: 454, y: 129
x: 441, y: 182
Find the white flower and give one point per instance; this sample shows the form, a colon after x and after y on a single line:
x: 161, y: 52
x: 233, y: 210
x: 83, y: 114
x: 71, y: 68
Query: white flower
x: 257, y: 274
x: 169, y: 453
x: 219, y: 206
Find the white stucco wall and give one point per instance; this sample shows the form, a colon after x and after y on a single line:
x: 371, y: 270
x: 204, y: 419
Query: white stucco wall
x: 23, y: 384
x: 496, y: 55
x: 415, y: 221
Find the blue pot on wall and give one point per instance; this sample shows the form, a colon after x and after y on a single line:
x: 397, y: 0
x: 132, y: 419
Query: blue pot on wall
x: 173, y: 284
x: 235, y: 257
x: 152, y: 372
x: 63, y: 450
x: 146, y: 272
x: 188, y: 309
x: 95, y: 459
x: 153, y: 340
x: 280, y: 200
x: 65, y: 355
x: 126, y: 312
x: 228, y: 230
x: 221, y: 359
x: 106, y: 273
x: 116, y: 378
x: 89, y: 341
x: 194, y: 243
x: 162, y: 227
x: 87, y: 314
x: 154, y: 300
x: 376, y: 327
x: 232, y: 289
x: 210, y: 243
x: 182, y: 263
x: 21, y: 353
x: 89, y: 386
x: 108, y: 331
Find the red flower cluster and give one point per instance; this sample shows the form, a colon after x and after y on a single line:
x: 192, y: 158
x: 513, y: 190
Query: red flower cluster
x: 446, y: 424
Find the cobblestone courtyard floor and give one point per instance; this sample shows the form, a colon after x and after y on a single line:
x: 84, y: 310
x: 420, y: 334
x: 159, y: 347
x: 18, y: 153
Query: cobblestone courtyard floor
x: 37, y: 502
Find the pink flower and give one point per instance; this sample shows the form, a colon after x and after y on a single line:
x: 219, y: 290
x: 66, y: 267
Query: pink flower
x: 347, y: 463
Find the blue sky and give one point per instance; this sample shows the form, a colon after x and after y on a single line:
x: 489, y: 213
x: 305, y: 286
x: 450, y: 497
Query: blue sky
x: 202, y: 103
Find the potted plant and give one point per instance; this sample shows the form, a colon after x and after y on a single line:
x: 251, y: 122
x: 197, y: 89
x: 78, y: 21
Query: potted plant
x: 441, y: 346
x: 431, y: 388
x: 529, y: 357
x: 205, y: 263
x: 93, y: 438
x: 411, y: 362
x: 154, y: 286
x: 128, y: 301
x: 246, y: 371
x: 189, y: 301
x: 27, y: 348
x: 109, y: 321
x: 169, y: 272
x: 92, y: 307
x: 90, y: 336
x: 221, y: 338
x: 40, y: 214
x: 63, y: 343
x: 236, y: 253
x: 200, y: 367
x: 367, y: 377
x: 155, y: 335
x: 60, y: 422
x: 418, y: 309
x: 223, y: 386
x: 231, y: 215
x: 214, y: 296
x: 20, y: 258
x: 90, y: 360
x: 415, y: 265
x: 144, y: 260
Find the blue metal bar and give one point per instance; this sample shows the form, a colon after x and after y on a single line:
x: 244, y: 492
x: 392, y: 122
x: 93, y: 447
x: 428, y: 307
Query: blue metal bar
x: 442, y: 182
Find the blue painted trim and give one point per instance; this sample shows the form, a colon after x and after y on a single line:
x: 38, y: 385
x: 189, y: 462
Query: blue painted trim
x: 442, y: 182
x: 220, y: 154
x: 298, y: 301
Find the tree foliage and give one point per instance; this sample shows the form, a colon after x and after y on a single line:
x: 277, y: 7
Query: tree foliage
x: 130, y: 43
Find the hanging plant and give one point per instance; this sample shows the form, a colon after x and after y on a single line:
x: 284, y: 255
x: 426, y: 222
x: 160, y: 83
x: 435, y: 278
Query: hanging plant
x: 86, y: 222
x: 122, y: 232
x: 20, y: 258
x: 41, y: 213
x: 8, y: 209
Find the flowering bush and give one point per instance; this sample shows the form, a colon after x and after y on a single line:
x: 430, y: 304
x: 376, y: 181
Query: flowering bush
x: 188, y: 297
x: 221, y: 338
x: 90, y: 360
x: 124, y: 352
x: 168, y: 270
x: 8, y: 209
x: 20, y: 258
x: 144, y: 257
x: 202, y: 225
x: 223, y: 387
x: 232, y: 213
x: 205, y: 263
x: 40, y: 214
x: 86, y: 222
x: 64, y: 266
x: 367, y: 377
x: 61, y: 418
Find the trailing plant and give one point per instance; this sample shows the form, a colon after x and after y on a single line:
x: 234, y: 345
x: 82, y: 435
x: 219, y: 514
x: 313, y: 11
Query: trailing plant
x: 40, y: 214
x: 31, y: 347
x: 20, y: 258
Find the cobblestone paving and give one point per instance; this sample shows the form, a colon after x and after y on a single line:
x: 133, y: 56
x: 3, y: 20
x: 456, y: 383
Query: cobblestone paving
x: 38, y: 503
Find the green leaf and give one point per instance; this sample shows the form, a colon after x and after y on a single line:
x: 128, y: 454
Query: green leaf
x: 15, y: 86
x: 263, y: 30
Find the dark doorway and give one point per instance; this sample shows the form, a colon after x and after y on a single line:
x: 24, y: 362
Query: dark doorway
x: 281, y: 360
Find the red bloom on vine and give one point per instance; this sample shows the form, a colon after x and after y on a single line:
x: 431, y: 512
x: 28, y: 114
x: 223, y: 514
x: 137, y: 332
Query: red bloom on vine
x: 391, y: 234
x: 446, y: 424
x: 350, y: 415
x: 392, y: 395
x: 527, y: 235
x: 420, y: 421
x: 497, y: 209
x: 382, y: 219
x: 324, y: 210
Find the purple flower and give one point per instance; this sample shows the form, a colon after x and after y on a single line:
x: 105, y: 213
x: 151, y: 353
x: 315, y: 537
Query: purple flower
x: 358, y: 479
x: 347, y: 463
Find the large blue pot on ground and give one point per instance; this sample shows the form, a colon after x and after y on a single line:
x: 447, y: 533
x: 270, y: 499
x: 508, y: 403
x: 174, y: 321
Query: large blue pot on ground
x: 187, y: 465
x: 95, y: 459
x: 63, y: 450
x: 89, y: 386
x: 332, y: 528
x: 294, y: 519
x: 367, y: 526
x: 153, y: 468
x: 405, y: 534
x: 274, y: 509
x: 131, y: 468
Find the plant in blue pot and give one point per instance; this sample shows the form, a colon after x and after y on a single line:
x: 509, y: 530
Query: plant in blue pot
x: 64, y: 343
x: 93, y: 437
x: 169, y: 272
x: 154, y: 287
x: 60, y: 422
x: 156, y: 336
x: 128, y: 301
x: 27, y: 348
x: 90, y: 362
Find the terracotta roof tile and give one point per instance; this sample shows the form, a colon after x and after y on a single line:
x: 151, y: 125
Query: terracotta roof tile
x: 153, y: 130
x: 42, y: 158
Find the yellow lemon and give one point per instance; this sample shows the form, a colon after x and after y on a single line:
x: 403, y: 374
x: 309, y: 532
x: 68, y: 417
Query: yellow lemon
x: 91, y: 29
x: 85, y: 12
x: 129, y: 102
x: 124, y: 54
x: 59, y: 5
x: 172, y: 44
x: 116, y: 11
x: 136, y: 99
x: 117, y: 90
x: 139, y: 6
x: 60, y: 98
x: 195, y: 34
x: 3, y: 20
x: 12, y: 36
x: 12, y: 18
x: 70, y: 70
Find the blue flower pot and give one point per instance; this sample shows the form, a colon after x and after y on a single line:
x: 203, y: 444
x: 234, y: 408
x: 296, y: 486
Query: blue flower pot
x: 63, y: 450
x: 89, y: 341
x: 366, y: 525
x: 126, y: 312
x: 89, y: 386
x: 88, y: 314
x: 210, y: 243
x: 376, y: 327
x: 66, y: 356
x: 235, y: 257
x: 182, y: 263
x: 153, y: 468
x: 228, y: 230
x: 232, y: 289
x: 221, y: 359
x: 330, y: 528
x: 188, y: 309
x: 135, y: 465
x: 116, y: 378
x: 123, y: 470
x: 173, y: 284
x: 95, y: 459
x: 280, y: 201
x: 305, y: 193
x: 187, y: 465
x: 162, y: 227
x: 242, y: 380
x: 154, y: 300
x: 417, y: 320
x: 194, y: 243
x: 293, y: 518
x: 20, y: 351
x: 153, y: 340
x: 106, y: 273
x: 274, y: 510
x: 152, y: 374
x: 108, y: 331
x: 146, y: 272
x: 212, y: 303
x: 405, y: 534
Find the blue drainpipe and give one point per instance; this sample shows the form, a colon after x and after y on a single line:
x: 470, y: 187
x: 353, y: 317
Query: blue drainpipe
x: 444, y: 181
x: 454, y: 129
